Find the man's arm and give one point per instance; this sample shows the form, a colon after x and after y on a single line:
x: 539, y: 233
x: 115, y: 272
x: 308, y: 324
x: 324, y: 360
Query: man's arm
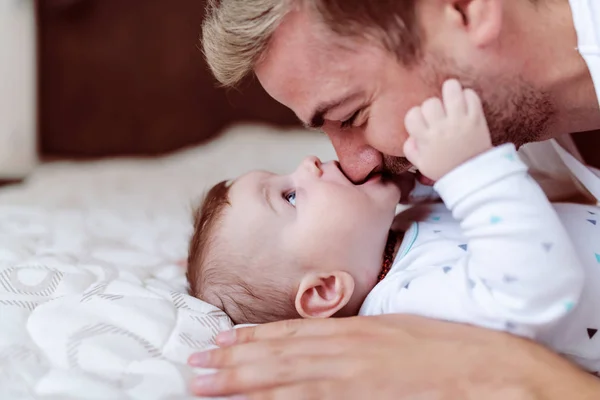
x: 386, y: 357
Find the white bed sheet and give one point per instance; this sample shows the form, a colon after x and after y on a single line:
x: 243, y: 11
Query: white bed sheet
x: 92, y: 287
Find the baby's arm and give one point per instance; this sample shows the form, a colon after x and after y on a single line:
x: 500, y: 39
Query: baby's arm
x: 520, y: 269
x: 518, y: 251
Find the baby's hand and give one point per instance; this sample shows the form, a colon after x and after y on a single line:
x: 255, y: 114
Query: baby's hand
x: 445, y: 135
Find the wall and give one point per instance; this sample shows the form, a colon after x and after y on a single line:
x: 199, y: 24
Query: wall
x: 18, y: 150
x: 127, y: 77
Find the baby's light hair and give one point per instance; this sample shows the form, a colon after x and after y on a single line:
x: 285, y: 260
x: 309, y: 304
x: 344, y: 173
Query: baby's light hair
x: 219, y: 276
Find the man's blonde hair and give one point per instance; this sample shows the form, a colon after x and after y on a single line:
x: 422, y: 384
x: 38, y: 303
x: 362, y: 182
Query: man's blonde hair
x: 236, y: 33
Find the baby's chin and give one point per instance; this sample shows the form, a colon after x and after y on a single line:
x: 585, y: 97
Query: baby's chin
x: 384, y: 192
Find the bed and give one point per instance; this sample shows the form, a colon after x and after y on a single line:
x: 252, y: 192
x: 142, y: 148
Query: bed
x: 93, y: 297
x: 124, y: 133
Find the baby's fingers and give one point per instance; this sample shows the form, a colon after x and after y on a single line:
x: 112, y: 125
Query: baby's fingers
x: 454, y: 98
x: 415, y: 122
x: 474, y: 106
x: 411, y: 151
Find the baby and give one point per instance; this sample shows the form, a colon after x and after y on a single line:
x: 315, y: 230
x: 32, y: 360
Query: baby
x: 496, y: 254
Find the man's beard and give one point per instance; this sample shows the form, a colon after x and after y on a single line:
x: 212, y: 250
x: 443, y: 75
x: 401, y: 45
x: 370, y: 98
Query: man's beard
x: 395, y: 165
x: 515, y: 111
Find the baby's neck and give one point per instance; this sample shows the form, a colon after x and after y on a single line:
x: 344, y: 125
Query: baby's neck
x: 353, y: 307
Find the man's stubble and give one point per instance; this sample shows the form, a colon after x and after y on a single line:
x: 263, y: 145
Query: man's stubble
x: 515, y: 111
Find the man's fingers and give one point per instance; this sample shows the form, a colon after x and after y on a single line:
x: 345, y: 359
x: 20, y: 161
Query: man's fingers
x: 272, y: 349
x: 270, y: 373
x: 289, y: 328
x: 311, y: 328
x: 311, y: 390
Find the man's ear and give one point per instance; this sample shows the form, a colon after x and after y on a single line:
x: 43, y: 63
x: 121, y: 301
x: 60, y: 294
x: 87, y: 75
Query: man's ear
x: 481, y: 19
x: 321, y: 295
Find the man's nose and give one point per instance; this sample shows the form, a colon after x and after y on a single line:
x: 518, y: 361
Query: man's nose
x: 357, y: 158
x: 358, y: 164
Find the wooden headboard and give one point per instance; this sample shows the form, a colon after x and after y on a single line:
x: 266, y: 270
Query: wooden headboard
x: 127, y: 77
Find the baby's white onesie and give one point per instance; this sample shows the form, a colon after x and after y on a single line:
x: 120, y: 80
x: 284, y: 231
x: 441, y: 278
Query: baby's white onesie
x: 504, y: 258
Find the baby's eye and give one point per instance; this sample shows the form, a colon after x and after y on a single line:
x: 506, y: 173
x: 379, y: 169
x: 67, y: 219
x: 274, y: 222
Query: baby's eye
x: 290, y: 197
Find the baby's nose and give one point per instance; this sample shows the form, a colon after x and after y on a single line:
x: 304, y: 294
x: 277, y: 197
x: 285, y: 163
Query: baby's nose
x: 313, y: 165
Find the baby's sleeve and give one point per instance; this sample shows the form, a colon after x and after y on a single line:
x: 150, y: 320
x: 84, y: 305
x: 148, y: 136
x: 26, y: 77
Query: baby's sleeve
x: 520, y: 271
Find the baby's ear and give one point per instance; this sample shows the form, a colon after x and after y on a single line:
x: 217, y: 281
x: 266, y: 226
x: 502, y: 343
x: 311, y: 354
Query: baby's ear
x: 321, y: 295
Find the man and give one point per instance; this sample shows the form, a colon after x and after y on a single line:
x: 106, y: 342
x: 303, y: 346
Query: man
x: 354, y: 68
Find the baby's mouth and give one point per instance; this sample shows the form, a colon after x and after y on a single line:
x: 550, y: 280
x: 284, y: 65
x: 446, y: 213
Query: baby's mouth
x: 373, y: 178
x: 400, y: 179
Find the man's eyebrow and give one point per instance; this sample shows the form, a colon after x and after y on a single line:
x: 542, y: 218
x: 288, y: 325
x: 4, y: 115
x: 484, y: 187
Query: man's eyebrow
x: 318, y: 116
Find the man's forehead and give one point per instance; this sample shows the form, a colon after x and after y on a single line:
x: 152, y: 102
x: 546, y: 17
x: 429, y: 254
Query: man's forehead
x: 305, y: 91
x: 302, y: 70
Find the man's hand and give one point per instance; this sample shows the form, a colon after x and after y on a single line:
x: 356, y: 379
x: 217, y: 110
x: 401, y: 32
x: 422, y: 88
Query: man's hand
x: 446, y: 133
x: 385, y: 357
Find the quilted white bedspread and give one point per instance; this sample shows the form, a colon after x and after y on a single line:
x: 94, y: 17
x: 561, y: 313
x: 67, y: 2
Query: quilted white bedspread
x: 93, y: 301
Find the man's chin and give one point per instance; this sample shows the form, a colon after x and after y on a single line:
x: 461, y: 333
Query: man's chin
x: 395, y: 165
x: 405, y: 182
x: 404, y: 175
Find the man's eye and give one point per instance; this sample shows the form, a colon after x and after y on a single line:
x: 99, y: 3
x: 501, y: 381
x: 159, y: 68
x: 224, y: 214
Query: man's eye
x: 348, y: 123
x: 290, y: 197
